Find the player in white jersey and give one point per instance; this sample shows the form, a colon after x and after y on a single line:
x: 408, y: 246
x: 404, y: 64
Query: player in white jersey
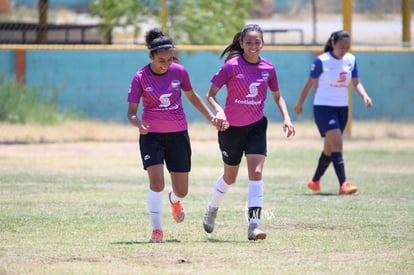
x: 247, y: 77
x: 331, y: 73
x: 163, y: 126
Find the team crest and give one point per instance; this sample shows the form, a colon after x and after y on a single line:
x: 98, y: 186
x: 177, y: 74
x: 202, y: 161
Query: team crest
x: 265, y: 75
x: 175, y: 84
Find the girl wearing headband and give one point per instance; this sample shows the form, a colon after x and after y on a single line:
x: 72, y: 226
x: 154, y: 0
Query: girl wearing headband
x: 163, y: 136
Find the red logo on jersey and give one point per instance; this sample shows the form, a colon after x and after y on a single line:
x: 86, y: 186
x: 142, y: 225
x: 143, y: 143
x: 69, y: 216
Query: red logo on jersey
x: 342, y: 77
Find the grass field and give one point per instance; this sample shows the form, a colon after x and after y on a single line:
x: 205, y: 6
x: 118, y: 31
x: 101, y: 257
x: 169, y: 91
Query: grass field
x: 79, y: 206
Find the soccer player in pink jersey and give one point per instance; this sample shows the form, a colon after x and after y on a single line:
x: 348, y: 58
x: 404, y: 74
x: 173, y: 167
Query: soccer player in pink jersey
x: 241, y: 124
x: 331, y: 73
x: 163, y: 135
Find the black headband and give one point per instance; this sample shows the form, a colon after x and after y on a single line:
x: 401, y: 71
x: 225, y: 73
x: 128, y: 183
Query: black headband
x: 165, y: 46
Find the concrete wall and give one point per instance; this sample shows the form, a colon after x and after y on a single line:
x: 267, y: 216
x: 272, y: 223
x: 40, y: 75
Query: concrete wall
x: 95, y: 82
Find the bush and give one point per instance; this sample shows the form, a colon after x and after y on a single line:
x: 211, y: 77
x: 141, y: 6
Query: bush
x: 18, y: 104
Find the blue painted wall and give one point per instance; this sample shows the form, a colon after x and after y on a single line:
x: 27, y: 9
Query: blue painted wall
x: 74, y: 4
x: 96, y: 82
x: 7, y: 68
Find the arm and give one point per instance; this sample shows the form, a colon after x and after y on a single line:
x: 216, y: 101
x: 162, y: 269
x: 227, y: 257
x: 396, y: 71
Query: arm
x: 134, y: 120
x: 281, y: 104
x: 221, y: 120
x: 361, y: 91
x: 199, y: 104
x: 305, y: 91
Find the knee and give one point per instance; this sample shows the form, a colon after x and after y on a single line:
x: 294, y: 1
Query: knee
x: 181, y: 193
x: 157, y: 187
x: 256, y: 175
x: 229, y: 180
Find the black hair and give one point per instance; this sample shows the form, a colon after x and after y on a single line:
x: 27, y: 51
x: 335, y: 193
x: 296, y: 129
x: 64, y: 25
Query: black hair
x: 156, y: 40
x: 234, y: 48
x: 334, y: 38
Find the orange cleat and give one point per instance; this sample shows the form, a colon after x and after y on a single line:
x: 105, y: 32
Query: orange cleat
x: 177, y: 210
x: 315, y: 186
x: 347, y: 188
x: 156, y: 236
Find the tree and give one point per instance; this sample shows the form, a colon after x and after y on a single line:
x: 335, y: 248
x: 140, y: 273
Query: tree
x: 205, y: 21
x: 121, y: 13
x: 188, y: 21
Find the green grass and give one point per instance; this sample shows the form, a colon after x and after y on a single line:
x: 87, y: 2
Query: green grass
x: 80, y: 209
x: 19, y: 104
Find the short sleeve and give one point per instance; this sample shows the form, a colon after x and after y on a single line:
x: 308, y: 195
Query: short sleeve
x: 355, y: 73
x: 135, y: 90
x: 316, y: 68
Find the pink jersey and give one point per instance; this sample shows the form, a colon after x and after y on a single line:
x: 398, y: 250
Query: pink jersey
x: 161, y: 98
x: 247, y: 86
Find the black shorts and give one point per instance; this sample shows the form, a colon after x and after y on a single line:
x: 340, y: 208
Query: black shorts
x: 172, y: 148
x: 249, y: 139
x: 330, y: 117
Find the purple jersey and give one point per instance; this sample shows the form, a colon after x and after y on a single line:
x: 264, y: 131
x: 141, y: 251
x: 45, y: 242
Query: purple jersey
x: 161, y: 98
x: 247, y: 86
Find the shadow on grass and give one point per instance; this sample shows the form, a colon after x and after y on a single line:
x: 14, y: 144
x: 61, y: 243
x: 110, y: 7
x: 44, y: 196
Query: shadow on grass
x: 211, y: 240
x: 147, y: 242
x: 322, y: 194
x: 208, y: 240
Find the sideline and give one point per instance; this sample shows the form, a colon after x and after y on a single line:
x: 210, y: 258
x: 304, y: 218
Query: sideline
x: 317, y: 48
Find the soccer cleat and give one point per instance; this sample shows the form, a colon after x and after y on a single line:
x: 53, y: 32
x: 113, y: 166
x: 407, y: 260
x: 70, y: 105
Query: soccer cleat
x: 347, y: 188
x: 315, y: 186
x: 177, y: 210
x: 254, y: 233
x: 156, y: 236
x: 209, y: 218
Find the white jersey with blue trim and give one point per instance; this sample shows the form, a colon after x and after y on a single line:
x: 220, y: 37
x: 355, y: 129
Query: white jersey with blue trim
x: 334, y: 77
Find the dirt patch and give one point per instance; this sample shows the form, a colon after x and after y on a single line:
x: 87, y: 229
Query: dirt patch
x: 87, y: 131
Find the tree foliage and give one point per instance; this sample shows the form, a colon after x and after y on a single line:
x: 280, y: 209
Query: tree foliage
x: 121, y: 13
x: 188, y: 21
x: 206, y: 21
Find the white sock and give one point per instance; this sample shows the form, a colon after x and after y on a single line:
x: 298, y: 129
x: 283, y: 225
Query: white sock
x: 155, y: 209
x: 255, y: 196
x: 174, y: 198
x: 219, y: 192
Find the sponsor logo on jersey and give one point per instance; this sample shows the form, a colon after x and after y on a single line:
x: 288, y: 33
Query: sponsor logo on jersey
x: 165, y: 100
x: 253, y: 90
x: 342, y: 77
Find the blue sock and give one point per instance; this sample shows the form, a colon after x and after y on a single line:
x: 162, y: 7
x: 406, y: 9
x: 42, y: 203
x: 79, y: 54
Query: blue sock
x: 339, y: 166
x: 323, y: 164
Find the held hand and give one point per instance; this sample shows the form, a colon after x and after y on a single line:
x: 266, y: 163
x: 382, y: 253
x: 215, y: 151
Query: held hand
x: 143, y: 128
x: 288, y: 128
x: 221, y: 125
x: 221, y: 122
x: 298, y: 109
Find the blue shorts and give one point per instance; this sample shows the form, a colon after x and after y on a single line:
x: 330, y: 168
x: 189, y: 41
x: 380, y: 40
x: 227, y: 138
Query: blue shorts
x: 249, y: 139
x: 172, y: 148
x: 330, y: 117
